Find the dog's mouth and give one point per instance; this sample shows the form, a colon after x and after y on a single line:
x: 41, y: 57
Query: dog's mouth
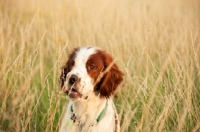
x: 73, y: 93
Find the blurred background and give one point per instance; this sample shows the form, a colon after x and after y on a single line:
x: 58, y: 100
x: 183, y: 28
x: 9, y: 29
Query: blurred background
x: 156, y: 44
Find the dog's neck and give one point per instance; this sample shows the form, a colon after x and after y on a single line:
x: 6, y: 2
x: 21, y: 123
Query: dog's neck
x: 86, y: 111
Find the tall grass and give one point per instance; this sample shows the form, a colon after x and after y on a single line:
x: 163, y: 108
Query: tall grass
x: 156, y: 44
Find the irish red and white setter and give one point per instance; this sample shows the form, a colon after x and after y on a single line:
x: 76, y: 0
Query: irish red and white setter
x: 90, y: 78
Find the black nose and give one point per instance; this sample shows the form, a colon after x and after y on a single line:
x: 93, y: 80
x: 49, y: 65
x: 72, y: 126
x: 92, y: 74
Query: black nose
x: 73, y: 79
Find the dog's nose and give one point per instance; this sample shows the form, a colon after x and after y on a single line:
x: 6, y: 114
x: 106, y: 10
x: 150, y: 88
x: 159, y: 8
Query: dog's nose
x: 73, y: 79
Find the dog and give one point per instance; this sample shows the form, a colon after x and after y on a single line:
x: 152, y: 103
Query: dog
x: 90, y: 79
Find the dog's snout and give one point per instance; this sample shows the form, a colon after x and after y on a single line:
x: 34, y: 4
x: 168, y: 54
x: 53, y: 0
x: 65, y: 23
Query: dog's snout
x: 73, y: 79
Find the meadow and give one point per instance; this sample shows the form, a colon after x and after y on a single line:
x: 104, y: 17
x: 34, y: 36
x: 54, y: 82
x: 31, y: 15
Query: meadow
x: 156, y: 43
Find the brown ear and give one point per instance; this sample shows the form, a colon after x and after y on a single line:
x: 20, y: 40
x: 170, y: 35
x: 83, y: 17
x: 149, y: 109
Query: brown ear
x: 64, y: 71
x: 67, y: 67
x: 110, y: 81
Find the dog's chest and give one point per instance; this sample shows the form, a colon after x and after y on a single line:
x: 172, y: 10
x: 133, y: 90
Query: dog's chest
x: 94, y: 119
x: 85, y: 123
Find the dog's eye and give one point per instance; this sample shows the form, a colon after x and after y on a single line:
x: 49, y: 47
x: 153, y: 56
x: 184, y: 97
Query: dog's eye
x: 73, y: 63
x: 92, y: 66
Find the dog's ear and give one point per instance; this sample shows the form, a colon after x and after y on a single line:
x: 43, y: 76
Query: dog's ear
x: 67, y: 67
x: 111, y: 79
x: 64, y: 71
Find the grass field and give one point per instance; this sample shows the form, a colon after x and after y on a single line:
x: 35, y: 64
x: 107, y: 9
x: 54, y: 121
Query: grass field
x: 156, y: 44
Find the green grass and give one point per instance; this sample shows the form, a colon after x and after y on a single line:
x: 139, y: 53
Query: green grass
x: 156, y: 44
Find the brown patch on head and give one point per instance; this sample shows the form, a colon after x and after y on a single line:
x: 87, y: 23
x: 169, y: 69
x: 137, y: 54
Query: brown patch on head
x: 94, y: 65
x: 67, y: 67
x: 109, y: 82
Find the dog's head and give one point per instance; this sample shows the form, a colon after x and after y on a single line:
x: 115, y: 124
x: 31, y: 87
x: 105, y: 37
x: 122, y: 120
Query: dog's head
x: 88, y: 70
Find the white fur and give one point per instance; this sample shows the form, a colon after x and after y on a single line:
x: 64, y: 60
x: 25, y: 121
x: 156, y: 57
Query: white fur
x: 86, y: 112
